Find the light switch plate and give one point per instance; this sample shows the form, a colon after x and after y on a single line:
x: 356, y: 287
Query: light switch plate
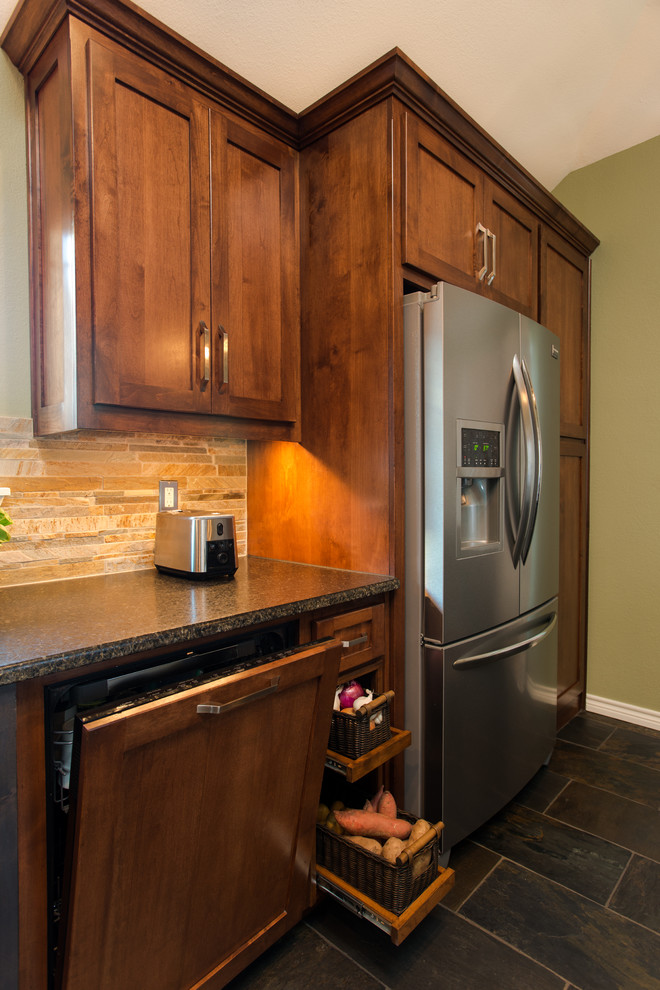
x: 168, y: 495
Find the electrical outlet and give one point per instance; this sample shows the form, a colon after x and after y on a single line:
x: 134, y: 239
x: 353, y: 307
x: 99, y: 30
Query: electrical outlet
x: 168, y: 495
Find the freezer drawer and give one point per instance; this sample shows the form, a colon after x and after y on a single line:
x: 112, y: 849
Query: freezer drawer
x: 489, y: 714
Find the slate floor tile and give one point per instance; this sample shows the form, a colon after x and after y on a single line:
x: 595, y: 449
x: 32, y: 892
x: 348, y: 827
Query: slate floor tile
x: 583, y: 942
x: 583, y: 862
x: 587, y: 730
x: 638, y: 894
x: 471, y: 863
x: 630, y: 780
x: 445, y: 952
x: 628, y: 823
x: 303, y: 959
x: 542, y: 789
x: 635, y: 744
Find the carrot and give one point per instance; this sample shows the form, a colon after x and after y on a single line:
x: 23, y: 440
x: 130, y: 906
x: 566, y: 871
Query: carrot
x: 387, y: 805
x: 372, y: 824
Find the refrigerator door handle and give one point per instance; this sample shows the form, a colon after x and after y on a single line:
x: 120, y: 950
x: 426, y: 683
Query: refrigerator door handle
x: 538, y: 463
x: 530, y: 459
x: 507, y: 651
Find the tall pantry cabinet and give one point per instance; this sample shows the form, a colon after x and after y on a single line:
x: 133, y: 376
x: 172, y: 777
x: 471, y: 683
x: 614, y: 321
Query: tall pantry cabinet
x: 398, y: 190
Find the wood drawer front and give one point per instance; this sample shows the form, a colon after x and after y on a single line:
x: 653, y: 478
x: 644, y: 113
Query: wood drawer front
x: 362, y: 634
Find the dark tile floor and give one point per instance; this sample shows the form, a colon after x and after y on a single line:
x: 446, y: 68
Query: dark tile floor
x: 560, y: 891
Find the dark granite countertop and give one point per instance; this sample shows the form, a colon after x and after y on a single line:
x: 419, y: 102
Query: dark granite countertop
x: 61, y: 625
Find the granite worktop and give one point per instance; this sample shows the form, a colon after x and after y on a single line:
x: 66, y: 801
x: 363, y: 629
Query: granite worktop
x: 61, y: 625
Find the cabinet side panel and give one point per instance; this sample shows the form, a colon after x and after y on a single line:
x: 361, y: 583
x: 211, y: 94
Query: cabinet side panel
x: 328, y: 500
x: 52, y: 243
x: 8, y: 840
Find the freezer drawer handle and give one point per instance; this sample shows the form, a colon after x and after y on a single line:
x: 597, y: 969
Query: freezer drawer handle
x: 506, y: 651
x: 245, y: 700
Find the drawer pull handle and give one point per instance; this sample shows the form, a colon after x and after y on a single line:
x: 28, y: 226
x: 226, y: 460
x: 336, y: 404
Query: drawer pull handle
x: 346, y: 643
x: 245, y: 700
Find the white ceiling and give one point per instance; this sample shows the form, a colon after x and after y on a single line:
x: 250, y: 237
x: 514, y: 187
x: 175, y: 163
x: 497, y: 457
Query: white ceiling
x: 558, y: 83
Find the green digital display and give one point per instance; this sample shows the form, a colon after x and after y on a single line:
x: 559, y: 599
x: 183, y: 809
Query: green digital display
x: 480, y: 448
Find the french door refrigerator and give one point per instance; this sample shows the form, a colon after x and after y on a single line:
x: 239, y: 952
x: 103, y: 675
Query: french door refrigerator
x: 482, y: 567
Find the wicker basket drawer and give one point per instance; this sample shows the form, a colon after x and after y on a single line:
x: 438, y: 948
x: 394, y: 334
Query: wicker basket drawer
x: 355, y: 735
x: 392, y: 885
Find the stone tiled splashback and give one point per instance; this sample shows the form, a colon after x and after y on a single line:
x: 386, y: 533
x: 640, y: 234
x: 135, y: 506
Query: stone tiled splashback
x: 85, y: 503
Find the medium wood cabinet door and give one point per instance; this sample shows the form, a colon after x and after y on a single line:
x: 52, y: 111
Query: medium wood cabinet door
x: 571, y: 661
x: 564, y: 309
x: 149, y: 203
x: 255, y: 274
x: 461, y: 226
x: 442, y: 202
x: 513, y: 250
x: 193, y: 831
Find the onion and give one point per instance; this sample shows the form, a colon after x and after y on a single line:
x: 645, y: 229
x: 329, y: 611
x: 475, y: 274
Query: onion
x: 364, y: 700
x: 350, y: 692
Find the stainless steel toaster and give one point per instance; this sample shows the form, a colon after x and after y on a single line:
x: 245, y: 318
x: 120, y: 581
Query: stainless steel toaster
x: 195, y: 544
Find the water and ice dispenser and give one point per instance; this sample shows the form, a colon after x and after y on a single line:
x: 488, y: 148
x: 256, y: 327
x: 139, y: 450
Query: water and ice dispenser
x: 479, y: 487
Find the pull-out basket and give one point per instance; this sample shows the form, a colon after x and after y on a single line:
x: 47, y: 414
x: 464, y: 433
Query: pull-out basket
x: 355, y: 735
x: 393, y: 885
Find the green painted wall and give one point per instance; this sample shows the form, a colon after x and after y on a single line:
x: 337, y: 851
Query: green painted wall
x: 14, y: 291
x: 619, y: 199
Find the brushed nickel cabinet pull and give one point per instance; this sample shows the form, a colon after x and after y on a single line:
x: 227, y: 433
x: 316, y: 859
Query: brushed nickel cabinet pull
x: 483, y: 271
x: 237, y: 702
x: 493, y: 255
x: 205, y: 356
x: 346, y: 643
x: 224, y: 345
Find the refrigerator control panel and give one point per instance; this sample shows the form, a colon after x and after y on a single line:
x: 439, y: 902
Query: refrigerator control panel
x: 480, y: 448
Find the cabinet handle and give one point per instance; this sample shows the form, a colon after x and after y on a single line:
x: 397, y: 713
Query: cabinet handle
x: 489, y: 233
x: 346, y: 643
x: 483, y: 271
x: 237, y: 702
x: 224, y: 347
x: 205, y: 356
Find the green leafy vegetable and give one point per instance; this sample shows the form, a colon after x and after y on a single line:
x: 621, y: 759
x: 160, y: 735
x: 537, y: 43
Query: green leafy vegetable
x: 4, y: 522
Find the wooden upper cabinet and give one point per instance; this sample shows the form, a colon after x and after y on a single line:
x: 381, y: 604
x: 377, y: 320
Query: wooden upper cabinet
x: 254, y: 264
x: 164, y: 252
x: 564, y: 309
x: 150, y: 236
x: 460, y: 225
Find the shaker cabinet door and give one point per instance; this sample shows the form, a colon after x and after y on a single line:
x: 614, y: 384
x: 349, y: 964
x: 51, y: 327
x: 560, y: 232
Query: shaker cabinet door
x: 255, y: 282
x: 149, y: 203
x: 461, y: 226
x: 513, y: 250
x: 193, y: 827
x: 564, y: 309
x: 442, y: 195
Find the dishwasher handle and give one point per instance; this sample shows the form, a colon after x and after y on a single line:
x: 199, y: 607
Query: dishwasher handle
x: 245, y: 700
x: 508, y: 651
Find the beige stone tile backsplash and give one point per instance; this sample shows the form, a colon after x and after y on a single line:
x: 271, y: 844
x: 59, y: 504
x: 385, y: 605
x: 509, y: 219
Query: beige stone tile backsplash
x: 85, y: 503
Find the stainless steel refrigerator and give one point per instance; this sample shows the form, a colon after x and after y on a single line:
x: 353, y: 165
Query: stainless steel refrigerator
x: 482, y: 554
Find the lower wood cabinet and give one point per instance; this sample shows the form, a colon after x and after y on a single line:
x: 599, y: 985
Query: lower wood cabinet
x: 189, y: 839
